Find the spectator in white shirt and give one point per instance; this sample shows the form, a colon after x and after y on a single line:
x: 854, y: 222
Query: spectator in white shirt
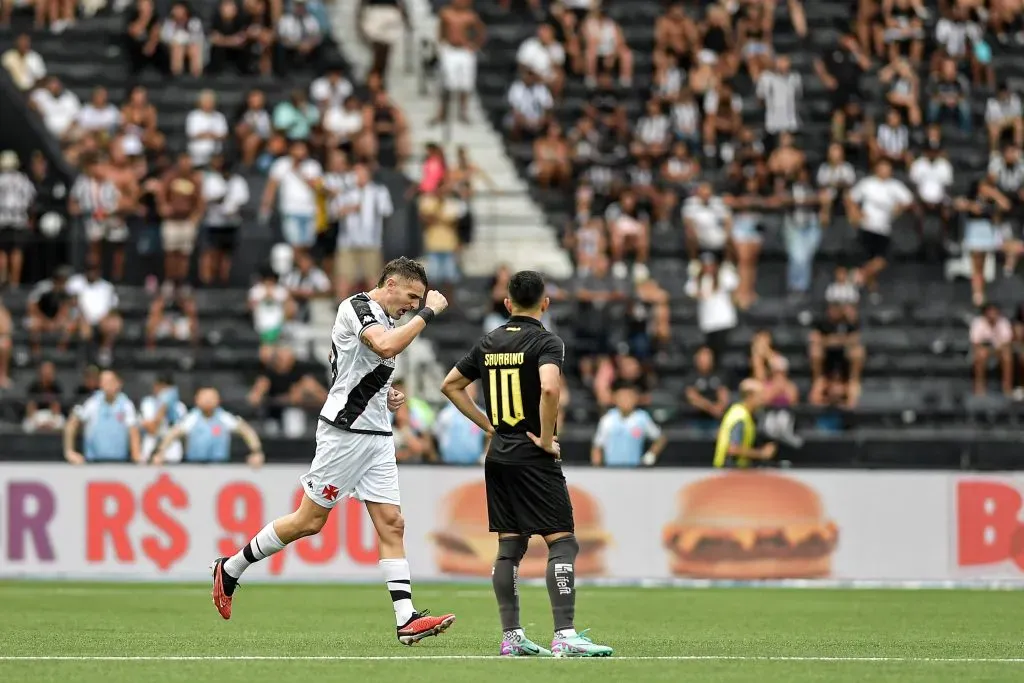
x: 708, y: 223
x: 544, y: 56
x: 305, y: 282
x: 605, y: 48
x: 991, y: 334
x: 23, y: 63
x: 292, y: 179
x: 873, y: 205
x: 531, y: 103
x: 836, y: 175
x: 271, y: 306
x: 96, y: 310
x: 206, y: 129
x: 226, y: 194
x: 780, y: 89
x: 299, y: 35
x: 182, y: 34
x: 56, y: 105
x: 331, y: 89
x: 932, y: 176
x: 253, y: 126
x: 713, y: 288
x: 99, y: 115
x: 1003, y: 114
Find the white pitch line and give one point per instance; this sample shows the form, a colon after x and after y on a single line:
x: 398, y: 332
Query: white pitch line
x: 395, y: 658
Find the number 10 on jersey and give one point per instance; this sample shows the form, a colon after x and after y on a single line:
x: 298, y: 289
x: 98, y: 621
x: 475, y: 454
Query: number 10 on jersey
x: 511, y: 404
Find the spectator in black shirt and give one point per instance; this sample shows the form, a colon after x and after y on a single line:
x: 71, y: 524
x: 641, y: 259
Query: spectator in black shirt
x: 282, y: 384
x: 949, y: 94
x: 90, y: 382
x: 260, y: 32
x: 840, y: 70
x: 607, y: 103
x: 837, y: 356
x: 597, y: 312
x: 44, y: 394
x: 142, y: 34
x: 706, y: 391
x: 49, y: 216
x: 49, y: 309
x: 229, y: 39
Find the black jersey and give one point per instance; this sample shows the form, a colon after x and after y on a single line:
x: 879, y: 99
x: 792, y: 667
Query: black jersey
x: 507, y: 362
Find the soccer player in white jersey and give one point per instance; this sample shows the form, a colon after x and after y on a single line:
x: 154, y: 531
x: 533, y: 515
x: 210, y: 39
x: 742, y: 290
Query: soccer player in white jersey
x: 355, y: 451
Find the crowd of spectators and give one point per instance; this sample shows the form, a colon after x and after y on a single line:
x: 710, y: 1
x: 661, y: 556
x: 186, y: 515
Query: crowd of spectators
x: 690, y: 170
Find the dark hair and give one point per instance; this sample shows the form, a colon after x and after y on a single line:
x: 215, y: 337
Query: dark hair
x: 405, y: 268
x: 165, y: 378
x: 526, y: 289
x: 620, y: 384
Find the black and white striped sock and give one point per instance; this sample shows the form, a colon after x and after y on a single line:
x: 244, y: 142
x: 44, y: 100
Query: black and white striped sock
x: 263, y: 545
x: 399, y: 582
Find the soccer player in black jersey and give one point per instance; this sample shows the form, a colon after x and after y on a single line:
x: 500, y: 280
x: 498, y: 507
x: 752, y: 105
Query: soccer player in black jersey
x: 520, y: 365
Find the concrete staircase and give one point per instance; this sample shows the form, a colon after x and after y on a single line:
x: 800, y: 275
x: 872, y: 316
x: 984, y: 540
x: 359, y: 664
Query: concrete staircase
x: 510, y: 227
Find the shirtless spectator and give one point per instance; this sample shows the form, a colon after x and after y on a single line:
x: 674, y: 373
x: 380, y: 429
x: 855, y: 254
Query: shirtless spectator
x: 675, y: 36
x: 605, y: 48
x: 461, y: 34
x: 119, y: 171
x: 49, y: 309
x: 181, y: 205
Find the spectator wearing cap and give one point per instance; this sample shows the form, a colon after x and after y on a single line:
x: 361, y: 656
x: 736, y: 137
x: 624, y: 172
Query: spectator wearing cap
x: 991, y: 338
x: 182, y: 35
x: 17, y: 196
x: 111, y: 426
x: 23, y: 63
x: 624, y: 431
x: 158, y: 412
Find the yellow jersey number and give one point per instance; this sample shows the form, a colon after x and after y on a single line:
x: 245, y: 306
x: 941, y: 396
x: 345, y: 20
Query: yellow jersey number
x: 510, y: 407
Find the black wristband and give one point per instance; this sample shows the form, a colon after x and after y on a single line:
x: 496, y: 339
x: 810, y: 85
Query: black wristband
x: 427, y: 314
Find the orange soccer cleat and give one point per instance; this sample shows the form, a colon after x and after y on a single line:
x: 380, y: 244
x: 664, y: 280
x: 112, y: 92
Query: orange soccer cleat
x: 420, y: 625
x: 221, y: 599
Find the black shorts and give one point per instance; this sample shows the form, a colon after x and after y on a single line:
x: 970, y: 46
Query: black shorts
x: 326, y: 242
x: 222, y: 239
x: 12, y: 237
x: 874, y: 244
x: 528, y: 498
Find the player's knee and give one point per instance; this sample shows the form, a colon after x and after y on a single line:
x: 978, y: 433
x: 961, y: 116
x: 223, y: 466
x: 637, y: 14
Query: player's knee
x: 393, y: 525
x: 513, y: 548
x: 564, y: 548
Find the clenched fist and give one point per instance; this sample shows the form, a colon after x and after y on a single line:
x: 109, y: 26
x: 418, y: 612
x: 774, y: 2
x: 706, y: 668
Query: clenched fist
x: 395, y: 399
x: 436, y: 302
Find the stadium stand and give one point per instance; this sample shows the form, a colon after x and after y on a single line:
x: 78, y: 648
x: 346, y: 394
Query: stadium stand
x: 642, y: 214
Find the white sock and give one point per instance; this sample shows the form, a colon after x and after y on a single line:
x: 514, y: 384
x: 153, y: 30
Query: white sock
x: 397, y: 577
x: 565, y: 633
x: 263, y: 545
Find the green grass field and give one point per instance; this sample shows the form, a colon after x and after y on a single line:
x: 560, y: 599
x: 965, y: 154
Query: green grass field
x: 121, y: 633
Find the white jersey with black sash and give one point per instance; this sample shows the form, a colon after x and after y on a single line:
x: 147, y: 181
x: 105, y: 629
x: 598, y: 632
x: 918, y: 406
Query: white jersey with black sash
x: 360, y: 379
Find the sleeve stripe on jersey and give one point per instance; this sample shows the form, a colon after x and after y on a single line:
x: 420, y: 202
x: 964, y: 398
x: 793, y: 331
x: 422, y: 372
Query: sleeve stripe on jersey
x: 364, y: 314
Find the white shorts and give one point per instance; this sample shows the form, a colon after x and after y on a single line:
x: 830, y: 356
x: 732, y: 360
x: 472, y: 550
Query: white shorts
x: 458, y: 68
x: 362, y: 466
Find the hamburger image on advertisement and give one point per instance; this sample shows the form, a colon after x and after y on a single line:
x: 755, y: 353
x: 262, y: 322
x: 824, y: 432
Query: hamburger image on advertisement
x: 465, y: 546
x: 750, y: 525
